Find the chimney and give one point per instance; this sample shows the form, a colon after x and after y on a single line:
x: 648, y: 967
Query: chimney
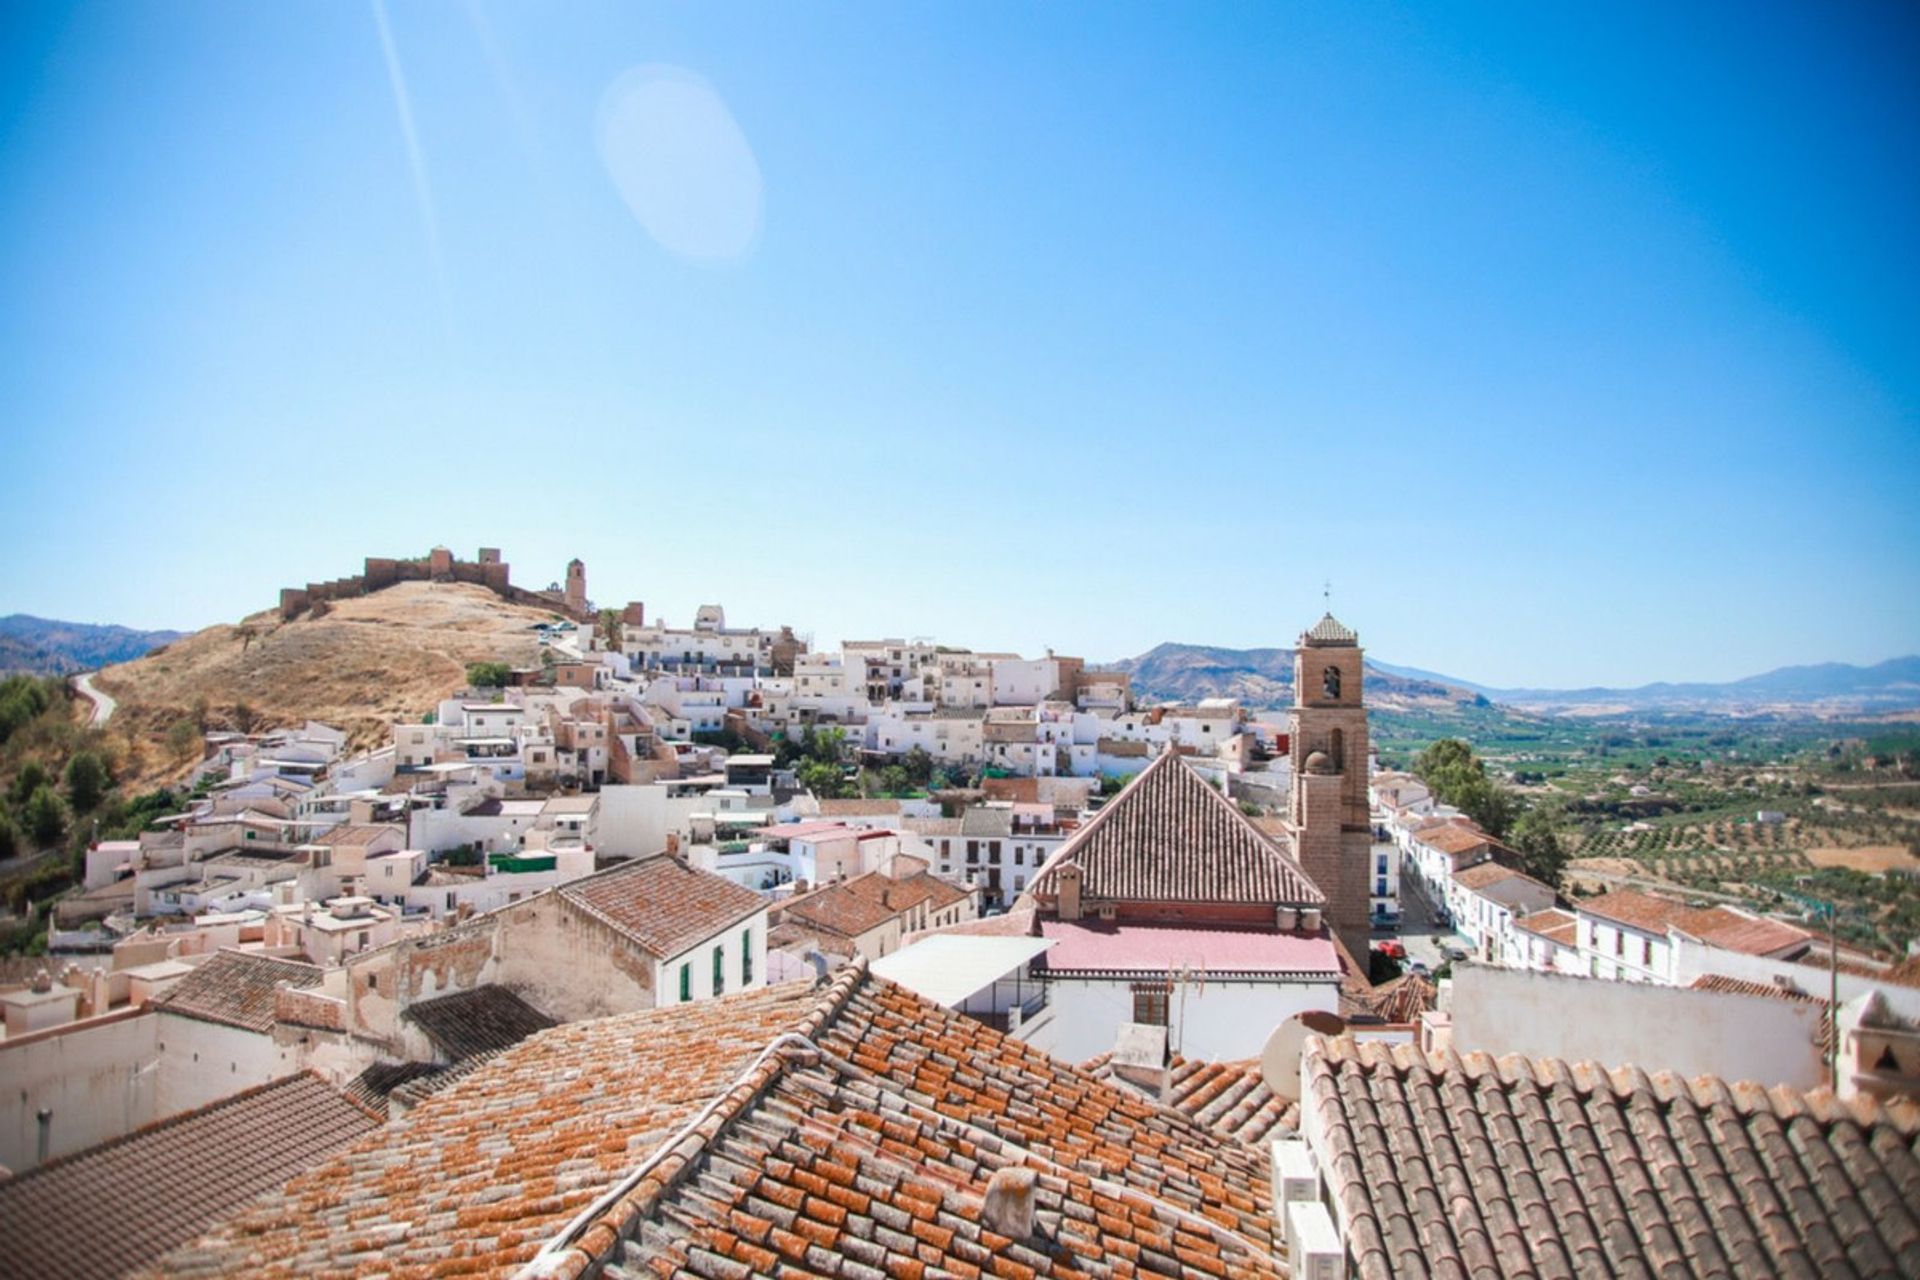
x: 359, y: 812
x: 1009, y: 1207
x: 1070, y: 892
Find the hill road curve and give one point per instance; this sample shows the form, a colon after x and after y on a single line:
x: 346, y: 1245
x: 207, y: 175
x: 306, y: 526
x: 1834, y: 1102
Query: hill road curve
x: 102, y: 704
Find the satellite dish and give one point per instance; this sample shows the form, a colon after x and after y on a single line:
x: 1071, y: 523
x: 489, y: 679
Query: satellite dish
x: 1280, y: 1057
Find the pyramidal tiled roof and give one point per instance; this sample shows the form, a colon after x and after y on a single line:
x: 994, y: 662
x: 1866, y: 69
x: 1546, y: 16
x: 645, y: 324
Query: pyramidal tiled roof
x: 1170, y: 836
x: 1448, y: 1165
x: 1330, y: 630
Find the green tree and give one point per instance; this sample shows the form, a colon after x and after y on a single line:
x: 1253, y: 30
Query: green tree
x: 919, y: 766
x: 609, y: 626
x: 488, y: 675
x: 87, y: 780
x: 825, y: 781
x: 22, y: 699
x: 1447, y: 765
x: 1457, y: 777
x: 32, y: 776
x: 894, y: 781
x: 1491, y: 806
x: 1536, y: 836
x: 44, y: 816
x: 826, y: 746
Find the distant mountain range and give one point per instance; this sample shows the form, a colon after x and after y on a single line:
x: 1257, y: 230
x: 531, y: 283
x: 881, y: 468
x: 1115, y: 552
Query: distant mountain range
x: 43, y: 646
x: 1893, y: 685
x: 1264, y: 678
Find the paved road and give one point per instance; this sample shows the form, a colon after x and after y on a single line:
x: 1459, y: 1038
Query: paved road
x: 102, y: 705
x: 1423, y: 938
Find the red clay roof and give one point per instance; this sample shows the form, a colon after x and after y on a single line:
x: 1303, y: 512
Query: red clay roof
x: 1737, y: 931
x: 871, y: 1161
x: 1231, y: 1098
x: 662, y: 903
x: 1170, y: 836
x: 1453, y: 839
x: 852, y: 907
x: 1634, y: 909
x: 1488, y: 874
x: 1553, y: 924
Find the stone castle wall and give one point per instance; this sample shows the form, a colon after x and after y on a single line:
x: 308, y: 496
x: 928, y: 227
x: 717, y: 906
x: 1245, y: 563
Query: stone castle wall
x: 439, y: 566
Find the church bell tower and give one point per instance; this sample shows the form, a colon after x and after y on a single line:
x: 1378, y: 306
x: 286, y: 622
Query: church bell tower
x: 1328, y: 811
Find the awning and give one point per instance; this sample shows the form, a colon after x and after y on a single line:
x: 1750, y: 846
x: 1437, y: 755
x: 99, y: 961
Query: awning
x: 947, y: 968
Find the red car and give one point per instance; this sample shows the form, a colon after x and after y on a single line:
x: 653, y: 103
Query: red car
x: 1391, y: 948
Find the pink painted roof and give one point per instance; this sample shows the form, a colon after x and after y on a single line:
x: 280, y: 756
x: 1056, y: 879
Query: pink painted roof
x: 804, y: 830
x: 1155, y: 948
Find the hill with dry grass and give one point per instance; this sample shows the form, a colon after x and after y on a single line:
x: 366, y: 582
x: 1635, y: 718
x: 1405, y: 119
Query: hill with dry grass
x: 360, y: 664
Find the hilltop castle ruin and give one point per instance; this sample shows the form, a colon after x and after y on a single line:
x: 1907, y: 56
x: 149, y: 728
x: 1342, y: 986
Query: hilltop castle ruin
x: 439, y: 565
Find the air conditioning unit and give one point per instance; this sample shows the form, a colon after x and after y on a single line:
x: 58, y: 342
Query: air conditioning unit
x: 1294, y: 1177
x: 1314, y: 1251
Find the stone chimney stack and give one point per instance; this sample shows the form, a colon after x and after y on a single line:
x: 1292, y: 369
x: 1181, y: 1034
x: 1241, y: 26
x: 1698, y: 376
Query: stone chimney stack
x: 1069, y: 892
x: 1009, y: 1207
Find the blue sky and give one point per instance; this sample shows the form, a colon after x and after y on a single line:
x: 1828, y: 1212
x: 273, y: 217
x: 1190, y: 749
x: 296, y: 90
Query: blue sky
x: 1572, y: 346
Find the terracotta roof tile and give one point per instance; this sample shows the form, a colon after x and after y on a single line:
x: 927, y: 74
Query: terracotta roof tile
x: 483, y: 1020
x: 662, y: 903
x: 1739, y: 931
x: 1553, y: 924
x: 1636, y: 910
x: 869, y: 1161
x: 1443, y: 1165
x: 857, y: 808
x: 1488, y: 874
x: 485, y: 1169
x: 117, y: 1206
x: 1230, y: 1098
x: 1170, y: 836
x: 236, y: 988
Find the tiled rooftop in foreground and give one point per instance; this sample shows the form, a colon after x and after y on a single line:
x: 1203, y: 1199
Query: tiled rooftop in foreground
x: 1448, y: 1166
x: 112, y: 1208
x: 871, y: 1158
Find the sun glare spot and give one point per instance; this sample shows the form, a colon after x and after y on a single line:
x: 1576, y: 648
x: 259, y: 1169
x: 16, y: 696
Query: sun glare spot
x: 681, y: 163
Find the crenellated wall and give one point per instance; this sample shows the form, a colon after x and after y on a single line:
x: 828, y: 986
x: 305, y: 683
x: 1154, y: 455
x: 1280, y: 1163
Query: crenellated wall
x: 439, y: 565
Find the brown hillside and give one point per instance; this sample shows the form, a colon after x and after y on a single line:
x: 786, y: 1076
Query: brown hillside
x: 362, y: 665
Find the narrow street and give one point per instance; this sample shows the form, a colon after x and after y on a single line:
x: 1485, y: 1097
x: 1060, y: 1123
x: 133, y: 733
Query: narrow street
x: 1421, y: 936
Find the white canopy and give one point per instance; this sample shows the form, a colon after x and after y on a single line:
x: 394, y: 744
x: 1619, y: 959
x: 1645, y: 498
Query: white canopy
x: 947, y: 968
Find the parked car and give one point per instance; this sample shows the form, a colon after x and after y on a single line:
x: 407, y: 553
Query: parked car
x: 1453, y: 951
x: 1391, y: 948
